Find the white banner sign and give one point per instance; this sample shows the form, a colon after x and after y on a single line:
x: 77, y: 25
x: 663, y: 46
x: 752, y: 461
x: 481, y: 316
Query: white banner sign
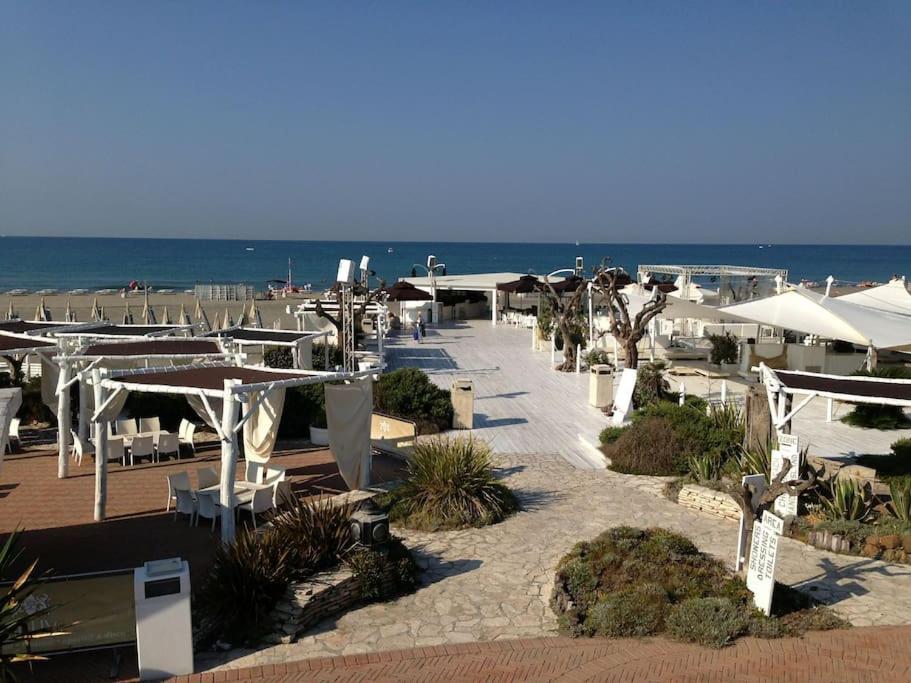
x: 773, y: 522
x: 761, y: 572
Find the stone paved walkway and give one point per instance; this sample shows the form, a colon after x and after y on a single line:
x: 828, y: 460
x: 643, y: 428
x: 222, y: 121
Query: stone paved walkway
x: 494, y: 583
x: 873, y: 654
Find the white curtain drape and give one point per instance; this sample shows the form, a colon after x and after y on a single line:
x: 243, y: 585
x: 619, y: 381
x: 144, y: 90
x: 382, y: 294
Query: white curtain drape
x: 196, y: 403
x: 348, y: 411
x: 50, y: 375
x: 261, y: 430
x: 305, y: 354
x: 113, y: 409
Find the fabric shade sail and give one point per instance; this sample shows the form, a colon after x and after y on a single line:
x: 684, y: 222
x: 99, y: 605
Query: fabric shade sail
x: 676, y: 307
x: 261, y: 429
x: 804, y: 311
x: 405, y: 291
x: 892, y: 297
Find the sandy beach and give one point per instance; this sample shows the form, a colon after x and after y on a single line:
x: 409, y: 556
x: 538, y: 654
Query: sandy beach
x: 115, y: 305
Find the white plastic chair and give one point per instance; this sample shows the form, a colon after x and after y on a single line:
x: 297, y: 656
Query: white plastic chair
x: 126, y: 427
x: 274, y: 476
x: 186, y: 504
x: 207, y: 477
x: 253, y: 472
x: 79, y: 448
x: 168, y: 445
x: 116, y: 451
x: 185, y: 435
x: 177, y: 481
x: 142, y: 447
x: 149, y: 425
x: 207, y: 506
x: 14, y: 433
x: 259, y: 503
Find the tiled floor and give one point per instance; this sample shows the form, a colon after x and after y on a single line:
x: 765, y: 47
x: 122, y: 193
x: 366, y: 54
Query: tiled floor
x: 57, y: 514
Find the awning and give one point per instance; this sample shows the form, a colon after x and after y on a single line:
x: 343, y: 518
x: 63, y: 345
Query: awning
x: 265, y: 337
x: 126, y: 330
x: 154, y: 347
x: 677, y: 307
x: 18, y: 344
x: 801, y: 310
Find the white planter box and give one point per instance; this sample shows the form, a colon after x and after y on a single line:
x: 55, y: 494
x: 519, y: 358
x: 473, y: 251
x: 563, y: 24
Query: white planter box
x: 319, y: 436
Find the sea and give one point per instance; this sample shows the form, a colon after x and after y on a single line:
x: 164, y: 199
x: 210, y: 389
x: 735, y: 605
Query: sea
x: 67, y: 263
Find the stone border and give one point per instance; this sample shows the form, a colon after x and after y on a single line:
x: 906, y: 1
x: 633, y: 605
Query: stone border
x: 703, y: 499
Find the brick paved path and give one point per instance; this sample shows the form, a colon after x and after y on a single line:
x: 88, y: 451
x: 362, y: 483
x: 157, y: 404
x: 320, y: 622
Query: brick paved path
x: 877, y: 653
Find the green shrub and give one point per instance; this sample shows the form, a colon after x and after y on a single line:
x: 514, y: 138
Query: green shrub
x: 637, y: 611
x: 597, y: 357
x: 697, y: 432
x: 880, y: 417
x: 651, y: 384
x: 383, y: 573
x: 705, y: 467
x: 240, y: 590
x: 408, y: 393
x: 902, y: 449
x: 649, y: 446
x: 610, y: 434
x: 318, y: 533
x: 712, y: 622
x: 279, y: 357
x: 449, y: 484
x: 724, y: 348
x: 846, y: 499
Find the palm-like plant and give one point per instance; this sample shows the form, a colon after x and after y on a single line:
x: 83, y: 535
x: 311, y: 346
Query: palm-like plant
x: 16, y: 630
x: 450, y: 484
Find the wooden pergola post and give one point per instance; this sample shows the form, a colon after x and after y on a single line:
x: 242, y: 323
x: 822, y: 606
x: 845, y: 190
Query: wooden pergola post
x: 230, y: 406
x: 101, y: 448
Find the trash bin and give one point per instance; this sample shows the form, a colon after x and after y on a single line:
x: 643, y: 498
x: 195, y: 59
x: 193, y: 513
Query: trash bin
x: 164, y: 634
x: 462, y: 404
x: 601, y: 386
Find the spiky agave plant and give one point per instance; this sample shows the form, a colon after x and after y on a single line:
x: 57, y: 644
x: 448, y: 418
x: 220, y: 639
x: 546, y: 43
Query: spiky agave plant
x: 900, y: 504
x: 450, y: 484
x: 847, y: 500
x: 16, y: 632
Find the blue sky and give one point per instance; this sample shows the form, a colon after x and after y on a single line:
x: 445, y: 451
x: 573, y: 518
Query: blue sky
x: 609, y: 122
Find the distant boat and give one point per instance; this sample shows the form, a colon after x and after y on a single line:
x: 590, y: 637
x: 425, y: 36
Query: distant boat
x: 251, y: 249
x: 577, y: 243
x: 389, y: 250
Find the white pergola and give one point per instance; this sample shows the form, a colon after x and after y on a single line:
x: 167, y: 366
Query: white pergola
x: 232, y: 385
x: 81, y: 355
x: 783, y: 385
x: 299, y: 342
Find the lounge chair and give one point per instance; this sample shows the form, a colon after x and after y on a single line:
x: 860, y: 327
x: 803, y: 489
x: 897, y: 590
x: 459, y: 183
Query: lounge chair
x: 260, y: 502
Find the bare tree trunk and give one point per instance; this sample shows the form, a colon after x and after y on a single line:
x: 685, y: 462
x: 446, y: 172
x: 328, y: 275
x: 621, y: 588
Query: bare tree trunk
x: 569, y: 349
x: 631, y: 350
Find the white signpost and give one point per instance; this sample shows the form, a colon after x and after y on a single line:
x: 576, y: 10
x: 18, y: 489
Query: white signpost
x: 788, y: 447
x: 761, y: 572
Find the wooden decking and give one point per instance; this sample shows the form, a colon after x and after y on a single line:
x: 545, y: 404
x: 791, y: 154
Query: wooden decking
x: 521, y: 404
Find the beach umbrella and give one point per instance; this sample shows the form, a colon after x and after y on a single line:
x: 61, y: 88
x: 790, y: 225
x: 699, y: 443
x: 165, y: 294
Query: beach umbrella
x: 148, y: 314
x: 405, y: 291
x: 242, y: 318
x: 526, y: 284
x: 217, y: 325
x: 41, y: 313
x: 96, y: 312
x: 256, y: 318
x: 202, y: 318
x: 10, y: 312
x: 165, y: 318
x: 228, y: 321
x: 127, y: 316
x: 69, y: 315
x: 182, y: 317
x: 570, y: 284
x: 101, y: 315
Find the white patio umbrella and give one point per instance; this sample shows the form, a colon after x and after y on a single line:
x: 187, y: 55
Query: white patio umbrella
x: 96, y: 311
x: 182, y: 317
x: 228, y: 321
x: 69, y: 314
x: 127, y: 316
x: 256, y: 318
x: 892, y: 297
x: 217, y: 325
x: 202, y: 318
x: 41, y: 312
x: 165, y: 318
x: 10, y: 312
x: 148, y: 314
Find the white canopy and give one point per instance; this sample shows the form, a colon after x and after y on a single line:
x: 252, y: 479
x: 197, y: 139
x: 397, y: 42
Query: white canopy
x: 677, y: 307
x: 801, y: 310
x: 893, y: 297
